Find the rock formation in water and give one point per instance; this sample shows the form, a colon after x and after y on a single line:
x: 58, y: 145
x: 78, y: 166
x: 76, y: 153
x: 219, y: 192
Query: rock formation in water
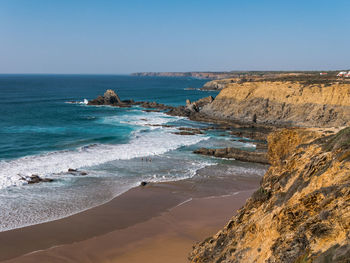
x: 237, y: 154
x: 108, y: 98
x: 34, y: 179
x: 301, y: 213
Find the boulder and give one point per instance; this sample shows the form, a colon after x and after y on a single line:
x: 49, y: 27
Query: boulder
x: 143, y: 183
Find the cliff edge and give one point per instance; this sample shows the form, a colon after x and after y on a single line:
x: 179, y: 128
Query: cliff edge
x: 283, y: 103
x: 301, y: 213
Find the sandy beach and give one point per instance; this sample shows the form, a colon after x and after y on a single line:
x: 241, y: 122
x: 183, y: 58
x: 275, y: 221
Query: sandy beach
x: 156, y: 223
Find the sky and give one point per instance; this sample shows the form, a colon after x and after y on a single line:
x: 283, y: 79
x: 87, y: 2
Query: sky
x: 119, y: 37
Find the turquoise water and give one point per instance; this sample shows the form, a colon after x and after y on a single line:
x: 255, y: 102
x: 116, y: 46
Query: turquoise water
x: 42, y: 134
x: 35, y: 118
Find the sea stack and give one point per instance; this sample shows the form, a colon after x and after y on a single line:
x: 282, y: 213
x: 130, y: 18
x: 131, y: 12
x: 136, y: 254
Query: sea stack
x: 110, y: 97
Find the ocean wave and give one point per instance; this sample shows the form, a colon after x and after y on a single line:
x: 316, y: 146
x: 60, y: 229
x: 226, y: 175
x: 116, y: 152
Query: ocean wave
x: 149, y: 119
x: 142, y: 144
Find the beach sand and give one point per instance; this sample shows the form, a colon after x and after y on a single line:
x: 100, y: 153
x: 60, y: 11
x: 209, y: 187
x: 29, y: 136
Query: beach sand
x: 156, y: 223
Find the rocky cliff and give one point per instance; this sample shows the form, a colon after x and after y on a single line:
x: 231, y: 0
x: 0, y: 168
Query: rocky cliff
x: 283, y: 103
x: 201, y: 75
x: 301, y: 213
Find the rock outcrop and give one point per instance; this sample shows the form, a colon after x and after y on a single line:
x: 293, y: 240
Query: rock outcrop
x: 283, y: 103
x: 216, y: 84
x: 237, y: 154
x: 108, y: 98
x: 301, y: 212
x: 199, y: 104
x: 34, y: 179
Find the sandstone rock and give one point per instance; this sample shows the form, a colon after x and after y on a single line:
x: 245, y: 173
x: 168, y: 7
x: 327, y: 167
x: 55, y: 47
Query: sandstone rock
x: 214, y: 85
x: 283, y: 103
x: 197, y: 105
x: 237, y: 154
x: 109, y: 98
x: 300, y: 213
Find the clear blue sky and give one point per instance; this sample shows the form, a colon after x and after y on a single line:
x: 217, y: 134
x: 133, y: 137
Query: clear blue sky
x: 72, y: 36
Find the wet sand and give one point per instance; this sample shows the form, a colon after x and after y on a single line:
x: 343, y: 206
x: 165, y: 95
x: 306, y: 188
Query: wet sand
x: 156, y: 223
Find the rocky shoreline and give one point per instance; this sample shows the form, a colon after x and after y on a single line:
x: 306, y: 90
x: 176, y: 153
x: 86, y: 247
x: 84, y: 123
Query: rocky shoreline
x: 192, y: 110
x: 300, y: 213
x: 237, y: 154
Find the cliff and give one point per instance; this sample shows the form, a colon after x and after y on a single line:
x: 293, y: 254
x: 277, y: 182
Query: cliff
x: 201, y: 75
x: 283, y: 103
x: 301, y: 213
x: 218, y: 84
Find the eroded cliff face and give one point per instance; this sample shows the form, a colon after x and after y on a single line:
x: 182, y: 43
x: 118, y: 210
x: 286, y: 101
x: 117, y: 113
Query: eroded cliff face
x: 301, y: 213
x: 283, y: 103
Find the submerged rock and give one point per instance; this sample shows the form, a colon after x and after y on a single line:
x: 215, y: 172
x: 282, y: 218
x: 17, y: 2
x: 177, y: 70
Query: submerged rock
x: 34, y: 179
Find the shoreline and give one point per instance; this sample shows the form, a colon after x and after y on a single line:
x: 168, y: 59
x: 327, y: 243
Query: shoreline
x: 132, y: 208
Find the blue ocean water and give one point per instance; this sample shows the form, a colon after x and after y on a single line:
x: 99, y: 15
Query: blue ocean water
x: 34, y: 117
x: 40, y: 133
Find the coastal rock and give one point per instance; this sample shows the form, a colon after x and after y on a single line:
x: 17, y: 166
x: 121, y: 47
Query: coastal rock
x: 34, y: 179
x: 184, y: 133
x: 300, y: 213
x: 109, y: 98
x: 292, y: 103
x: 193, y: 130
x: 204, y: 101
x: 144, y: 183
x: 237, y: 154
x: 197, y: 105
x: 258, y: 134
x: 214, y: 85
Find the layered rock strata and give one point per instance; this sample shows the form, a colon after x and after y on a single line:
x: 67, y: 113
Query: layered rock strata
x: 283, y: 103
x: 300, y: 213
x: 237, y: 154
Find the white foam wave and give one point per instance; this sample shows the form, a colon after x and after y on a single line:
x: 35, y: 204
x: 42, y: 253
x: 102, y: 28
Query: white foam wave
x: 153, y: 118
x: 145, y: 144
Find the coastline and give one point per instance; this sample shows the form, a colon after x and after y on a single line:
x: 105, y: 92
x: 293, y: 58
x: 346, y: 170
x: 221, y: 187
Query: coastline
x: 130, y: 211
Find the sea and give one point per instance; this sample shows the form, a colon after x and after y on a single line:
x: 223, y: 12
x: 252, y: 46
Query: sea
x: 43, y: 133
